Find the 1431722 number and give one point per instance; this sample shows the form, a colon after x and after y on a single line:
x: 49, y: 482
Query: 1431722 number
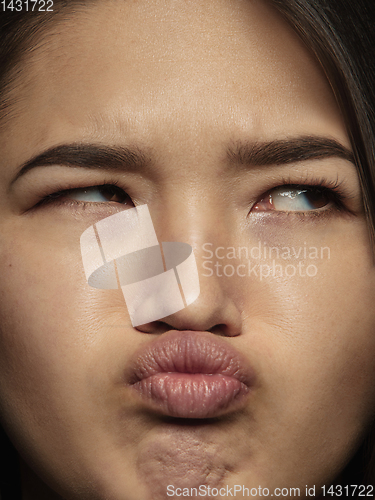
x: 27, y: 5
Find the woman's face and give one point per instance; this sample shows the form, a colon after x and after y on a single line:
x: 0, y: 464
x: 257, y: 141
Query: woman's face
x: 227, y: 117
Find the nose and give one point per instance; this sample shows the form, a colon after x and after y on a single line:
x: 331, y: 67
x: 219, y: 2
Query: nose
x: 216, y: 309
x: 213, y: 311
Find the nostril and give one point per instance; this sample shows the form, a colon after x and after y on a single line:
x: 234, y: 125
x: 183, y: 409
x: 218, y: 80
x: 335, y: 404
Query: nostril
x: 224, y: 330
x: 159, y: 327
x: 154, y: 327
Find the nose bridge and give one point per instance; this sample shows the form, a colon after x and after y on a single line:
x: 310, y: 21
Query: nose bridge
x: 217, y: 307
x: 194, y: 219
x: 191, y: 203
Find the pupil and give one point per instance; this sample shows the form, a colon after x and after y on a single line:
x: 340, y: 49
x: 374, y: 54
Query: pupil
x: 317, y: 198
x: 113, y: 194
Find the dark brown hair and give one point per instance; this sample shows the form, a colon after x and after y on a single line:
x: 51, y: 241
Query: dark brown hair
x: 341, y: 33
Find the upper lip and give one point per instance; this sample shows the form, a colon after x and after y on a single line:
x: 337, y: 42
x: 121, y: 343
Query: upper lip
x: 190, y: 352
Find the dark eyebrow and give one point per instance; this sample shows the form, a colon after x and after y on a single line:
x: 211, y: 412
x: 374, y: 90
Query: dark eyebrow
x: 282, y: 152
x: 278, y: 152
x: 88, y: 156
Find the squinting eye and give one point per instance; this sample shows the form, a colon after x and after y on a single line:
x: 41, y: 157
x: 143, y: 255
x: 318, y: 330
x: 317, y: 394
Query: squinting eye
x: 93, y: 194
x: 295, y: 199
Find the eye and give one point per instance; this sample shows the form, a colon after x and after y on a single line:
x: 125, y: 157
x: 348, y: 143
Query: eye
x: 93, y: 194
x: 99, y: 194
x: 297, y: 199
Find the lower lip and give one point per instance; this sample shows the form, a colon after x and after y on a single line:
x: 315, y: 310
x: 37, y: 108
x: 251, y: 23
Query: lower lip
x: 186, y: 395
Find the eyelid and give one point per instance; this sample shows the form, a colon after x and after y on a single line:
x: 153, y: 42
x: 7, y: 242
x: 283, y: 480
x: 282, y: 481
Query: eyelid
x: 336, y: 187
x: 340, y: 194
x: 57, y: 196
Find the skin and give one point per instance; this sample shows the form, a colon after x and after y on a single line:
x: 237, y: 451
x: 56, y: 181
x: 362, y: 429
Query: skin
x: 181, y: 81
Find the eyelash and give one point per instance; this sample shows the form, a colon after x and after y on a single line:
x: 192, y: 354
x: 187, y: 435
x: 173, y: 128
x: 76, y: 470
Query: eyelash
x: 57, y: 197
x: 334, y: 189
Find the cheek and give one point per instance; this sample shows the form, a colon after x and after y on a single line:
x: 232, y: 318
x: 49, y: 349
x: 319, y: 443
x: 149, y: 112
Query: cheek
x: 53, y: 325
x: 60, y: 356
x: 313, y: 342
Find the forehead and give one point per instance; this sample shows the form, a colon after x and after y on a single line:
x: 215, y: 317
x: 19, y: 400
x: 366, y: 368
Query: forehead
x: 153, y: 68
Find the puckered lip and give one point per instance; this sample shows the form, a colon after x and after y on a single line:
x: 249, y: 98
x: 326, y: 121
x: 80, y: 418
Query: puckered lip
x: 190, y: 374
